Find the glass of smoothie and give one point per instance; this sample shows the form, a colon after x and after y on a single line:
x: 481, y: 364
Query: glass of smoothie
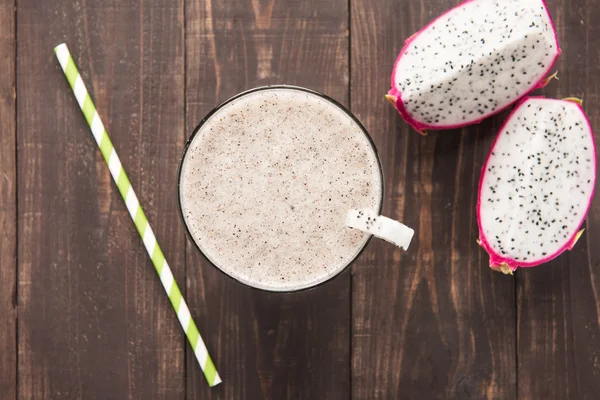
x: 273, y: 183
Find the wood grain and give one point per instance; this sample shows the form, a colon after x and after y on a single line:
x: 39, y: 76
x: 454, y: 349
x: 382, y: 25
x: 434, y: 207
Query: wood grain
x: 559, y: 303
x: 94, y: 322
x: 8, y: 204
x: 434, y: 322
x: 269, y: 346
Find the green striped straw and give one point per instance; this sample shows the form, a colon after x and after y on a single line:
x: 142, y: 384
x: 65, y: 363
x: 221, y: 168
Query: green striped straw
x: 137, y: 214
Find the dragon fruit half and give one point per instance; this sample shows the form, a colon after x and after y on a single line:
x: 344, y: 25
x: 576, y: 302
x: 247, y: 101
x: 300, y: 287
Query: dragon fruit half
x: 472, y: 62
x: 537, y: 184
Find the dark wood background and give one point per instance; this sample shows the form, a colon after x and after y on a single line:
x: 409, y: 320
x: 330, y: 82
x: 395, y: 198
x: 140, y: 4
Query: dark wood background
x: 82, y: 313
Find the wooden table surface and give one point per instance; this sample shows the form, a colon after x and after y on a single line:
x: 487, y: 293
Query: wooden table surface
x: 82, y: 313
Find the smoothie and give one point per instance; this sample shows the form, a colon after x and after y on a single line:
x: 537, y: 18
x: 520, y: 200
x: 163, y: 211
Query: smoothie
x: 267, y: 181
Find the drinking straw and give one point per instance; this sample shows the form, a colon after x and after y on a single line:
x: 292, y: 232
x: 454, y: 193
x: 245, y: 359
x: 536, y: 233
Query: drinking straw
x: 137, y: 214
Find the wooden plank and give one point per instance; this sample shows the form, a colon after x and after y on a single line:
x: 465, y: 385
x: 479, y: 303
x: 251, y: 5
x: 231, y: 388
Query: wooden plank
x: 268, y: 346
x: 558, y: 303
x: 94, y: 322
x: 434, y: 322
x: 8, y: 206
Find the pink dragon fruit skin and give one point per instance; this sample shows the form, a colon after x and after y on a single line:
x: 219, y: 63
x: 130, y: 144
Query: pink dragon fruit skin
x: 396, y: 97
x: 491, y: 236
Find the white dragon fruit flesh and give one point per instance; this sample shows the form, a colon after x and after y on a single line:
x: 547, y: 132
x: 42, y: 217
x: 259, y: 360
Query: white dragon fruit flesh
x: 473, y: 61
x: 537, y: 184
x: 371, y: 222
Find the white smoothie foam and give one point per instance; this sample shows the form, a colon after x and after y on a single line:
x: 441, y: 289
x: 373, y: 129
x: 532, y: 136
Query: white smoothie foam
x: 267, y: 182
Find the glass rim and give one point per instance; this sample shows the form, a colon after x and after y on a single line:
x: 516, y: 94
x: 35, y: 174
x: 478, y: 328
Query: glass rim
x: 277, y: 87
